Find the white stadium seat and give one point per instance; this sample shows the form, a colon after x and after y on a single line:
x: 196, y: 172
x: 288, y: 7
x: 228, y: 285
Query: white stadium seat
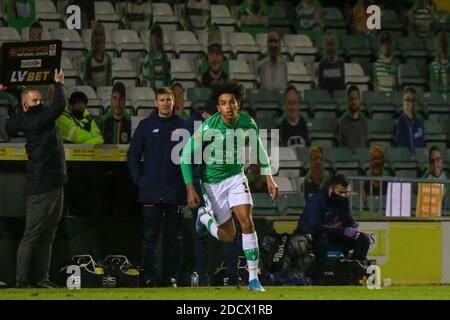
x: 186, y: 45
x: 165, y: 16
x: 9, y: 34
x: 354, y: 74
x: 299, y: 75
x: 244, y: 46
x: 47, y: 14
x: 93, y: 100
x: 221, y: 17
x: 129, y: 45
x: 122, y: 70
x: 86, y: 35
x: 240, y: 70
x: 141, y: 96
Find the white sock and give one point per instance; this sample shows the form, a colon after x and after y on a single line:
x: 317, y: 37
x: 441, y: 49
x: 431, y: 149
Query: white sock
x: 251, y: 251
x: 210, y: 224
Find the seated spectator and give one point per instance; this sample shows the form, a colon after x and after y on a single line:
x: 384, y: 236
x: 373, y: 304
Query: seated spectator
x: 376, y: 170
x: 309, y: 16
x: 353, y: 124
x: 178, y: 93
x: 360, y: 16
x: 434, y: 170
x: 87, y: 12
x: 385, y: 68
x: 20, y: 14
x: 196, y: 15
x: 35, y: 31
x: 327, y: 218
x: 410, y: 127
x: 116, y: 127
x: 76, y: 124
x: 253, y: 16
x: 440, y: 68
x: 138, y: 14
x: 272, y: 70
x: 331, y: 69
x: 215, y: 62
x: 316, y: 176
x: 293, y: 128
x: 97, y: 63
x: 421, y: 19
x: 256, y: 182
x: 156, y: 67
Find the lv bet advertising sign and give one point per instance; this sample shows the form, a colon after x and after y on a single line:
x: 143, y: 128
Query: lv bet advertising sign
x: 30, y: 63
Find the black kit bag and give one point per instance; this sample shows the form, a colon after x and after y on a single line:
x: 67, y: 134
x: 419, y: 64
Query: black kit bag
x: 274, y: 253
x: 90, y: 275
x: 120, y: 273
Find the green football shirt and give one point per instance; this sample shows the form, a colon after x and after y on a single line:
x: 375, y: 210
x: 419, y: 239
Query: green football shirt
x: 219, y: 149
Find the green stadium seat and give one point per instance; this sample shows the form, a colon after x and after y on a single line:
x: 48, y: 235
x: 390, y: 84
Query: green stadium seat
x: 323, y: 131
x: 343, y: 161
x: 362, y: 155
x: 442, y: 21
x: 290, y: 203
x: 357, y: 46
x: 340, y: 97
x: 380, y: 132
x: 265, y: 102
x: 303, y: 155
x: 279, y: 21
x: 263, y: 205
x: 402, y: 162
x: 421, y: 155
x: 435, y: 132
x: 410, y: 75
x: 321, y: 103
x: 391, y: 22
x: 413, y: 49
x: 334, y: 20
x: 435, y: 106
x: 379, y: 104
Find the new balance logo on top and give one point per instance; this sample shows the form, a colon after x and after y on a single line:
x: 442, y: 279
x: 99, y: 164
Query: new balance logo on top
x: 155, y: 130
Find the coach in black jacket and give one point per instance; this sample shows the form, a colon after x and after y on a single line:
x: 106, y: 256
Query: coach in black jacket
x: 160, y: 184
x: 46, y: 175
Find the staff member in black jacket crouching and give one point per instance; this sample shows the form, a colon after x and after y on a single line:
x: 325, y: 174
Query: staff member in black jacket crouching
x: 160, y: 183
x: 46, y: 175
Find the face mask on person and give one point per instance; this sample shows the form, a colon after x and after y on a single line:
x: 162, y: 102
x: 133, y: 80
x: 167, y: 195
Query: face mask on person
x: 36, y: 108
x: 338, y: 198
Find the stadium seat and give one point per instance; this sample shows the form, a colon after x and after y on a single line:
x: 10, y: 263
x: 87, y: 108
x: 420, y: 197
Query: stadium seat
x: 72, y: 44
x: 47, y: 14
x: 303, y: 155
x: 284, y: 184
x: 322, y: 131
x: 410, y: 75
x: 278, y: 20
x: 334, y: 20
x: 144, y: 111
x: 340, y: 97
x: 321, y: 103
x: 9, y: 34
x: 413, y: 50
x: 240, y: 70
x: 168, y: 47
x: 357, y: 48
x: 123, y: 71
x: 263, y: 205
x: 402, y: 162
x: 343, y: 161
x: 93, y: 100
x: 421, y: 156
x: 129, y: 46
x: 299, y: 76
x: 265, y: 103
x: 379, y: 104
x: 141, y: 97
x: 183, y: 71
x: 244, y: 47
x: 391, y: 22
x: 435, y: 105
x: 354, y: 74
x: 71, y: 75
x: 380, y: 132
x: 290, y: 203
x: 198, y: 94
x: 106, y: 14
x: 221, y: 17
x: 434, y: 132
x: 289, y: 165
x: 300, y: 47
x: 442, y: 22
x: 186, y: 45
x: 164, y: 15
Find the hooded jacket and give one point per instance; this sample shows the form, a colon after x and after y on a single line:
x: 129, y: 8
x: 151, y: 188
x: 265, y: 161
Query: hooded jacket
x: 158, y: 178
x: 79, y: 131
x: 410, y: 134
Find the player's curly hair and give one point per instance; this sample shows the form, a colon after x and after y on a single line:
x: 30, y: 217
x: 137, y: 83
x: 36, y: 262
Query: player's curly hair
x: 227, y: 86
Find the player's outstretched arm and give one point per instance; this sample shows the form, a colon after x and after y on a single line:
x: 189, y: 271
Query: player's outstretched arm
x: 272, y: 187
x: 193, y: 145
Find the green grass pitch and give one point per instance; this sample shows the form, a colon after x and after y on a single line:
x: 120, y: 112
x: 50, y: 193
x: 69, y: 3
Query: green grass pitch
x: 233, y: 293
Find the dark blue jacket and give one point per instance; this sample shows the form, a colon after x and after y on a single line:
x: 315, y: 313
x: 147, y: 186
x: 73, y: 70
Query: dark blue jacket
x: 159, y: 180
x: 410, y: 134
x: 321, y: 213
